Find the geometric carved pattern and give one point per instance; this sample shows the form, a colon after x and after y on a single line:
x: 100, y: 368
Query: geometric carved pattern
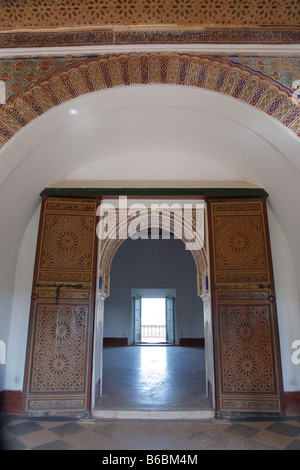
x: 240, y: 243
x: 92, y: 74
x: 60, y: 335
x: 59, y: 360
x: 51, y: 14
x: 67, y: 242
x: 248, y: 376
x: 247, y: 364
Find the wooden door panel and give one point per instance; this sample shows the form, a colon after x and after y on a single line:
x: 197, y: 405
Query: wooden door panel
x: 246, y: 344
x: 59, y: 354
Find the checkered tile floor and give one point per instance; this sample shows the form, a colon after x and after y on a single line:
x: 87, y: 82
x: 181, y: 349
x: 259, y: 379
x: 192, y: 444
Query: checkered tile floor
x: 40, y: 434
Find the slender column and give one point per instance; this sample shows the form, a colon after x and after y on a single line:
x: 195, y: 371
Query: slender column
x: 98, y: 349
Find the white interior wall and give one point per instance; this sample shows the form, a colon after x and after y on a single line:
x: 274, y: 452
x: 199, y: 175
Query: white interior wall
x: 205, y: 132
x: 286, y: 292
x: 17, y: 342
x: 286, y: 300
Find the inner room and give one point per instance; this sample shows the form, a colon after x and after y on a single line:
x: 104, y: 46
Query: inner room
x: 164, y: 372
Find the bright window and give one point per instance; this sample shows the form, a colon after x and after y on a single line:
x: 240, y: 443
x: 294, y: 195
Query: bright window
x: 153, y: 320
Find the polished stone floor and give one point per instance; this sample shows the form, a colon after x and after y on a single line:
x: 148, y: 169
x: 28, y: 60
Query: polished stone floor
x: 151, y: 378
x: 154, y: 377
x: 157, y: 435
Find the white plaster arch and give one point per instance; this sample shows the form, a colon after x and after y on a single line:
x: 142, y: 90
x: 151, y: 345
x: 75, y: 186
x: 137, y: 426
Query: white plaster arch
x: 202, y: 128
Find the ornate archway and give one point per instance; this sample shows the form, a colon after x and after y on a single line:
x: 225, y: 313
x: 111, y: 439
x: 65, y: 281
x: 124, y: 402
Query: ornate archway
x: 91, y: 74
x: 186, y: 224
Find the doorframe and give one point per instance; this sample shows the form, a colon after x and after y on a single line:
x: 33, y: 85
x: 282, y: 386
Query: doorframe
x: 108, y: 249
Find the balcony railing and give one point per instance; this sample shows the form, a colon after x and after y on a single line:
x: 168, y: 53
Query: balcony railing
x: 153, y: 333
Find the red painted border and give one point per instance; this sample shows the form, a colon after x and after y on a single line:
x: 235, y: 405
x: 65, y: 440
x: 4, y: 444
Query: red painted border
x: 11, y: 401
x: 292, y: 403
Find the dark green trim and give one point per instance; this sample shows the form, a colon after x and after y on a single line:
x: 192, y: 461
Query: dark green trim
x: 210, y: 192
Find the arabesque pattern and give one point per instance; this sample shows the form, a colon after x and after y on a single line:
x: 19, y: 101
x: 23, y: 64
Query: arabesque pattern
x: 251, y: 367
x: 59, y: 361
x: 42, y: 14
x: 99, y: 73
x: 240, y: 243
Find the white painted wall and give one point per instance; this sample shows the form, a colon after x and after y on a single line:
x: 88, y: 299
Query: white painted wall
x: 21, y: 307
x: 286, y: 300
x: 174, y: 133
x: 119, y: 304
x: 153, y: 264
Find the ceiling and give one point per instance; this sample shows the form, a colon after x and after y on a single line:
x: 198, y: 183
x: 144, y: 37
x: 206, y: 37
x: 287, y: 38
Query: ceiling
x: 29, y: 22
x: 50, y: 14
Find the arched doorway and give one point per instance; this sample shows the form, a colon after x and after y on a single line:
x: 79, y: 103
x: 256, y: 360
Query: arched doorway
x: 160, y: 220
x: 141, y: 370
x: 240, y: 320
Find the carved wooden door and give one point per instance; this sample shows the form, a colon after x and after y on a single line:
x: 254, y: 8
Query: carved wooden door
x: 246, y: 345
x: 59, y: 355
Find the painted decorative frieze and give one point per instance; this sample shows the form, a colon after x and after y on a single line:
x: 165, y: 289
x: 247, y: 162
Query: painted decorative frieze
x: 33, y: 88
x: 46, y: 23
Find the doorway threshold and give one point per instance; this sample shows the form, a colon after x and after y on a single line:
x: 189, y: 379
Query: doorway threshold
x: 154, y: 344
x: 154, y: 414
